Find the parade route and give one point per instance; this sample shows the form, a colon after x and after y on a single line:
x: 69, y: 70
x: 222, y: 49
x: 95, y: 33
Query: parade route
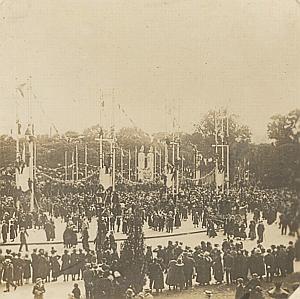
x: 187, y: 234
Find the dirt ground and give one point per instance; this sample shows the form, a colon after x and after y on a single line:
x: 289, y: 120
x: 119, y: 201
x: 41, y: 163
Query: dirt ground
x: 224, y: 291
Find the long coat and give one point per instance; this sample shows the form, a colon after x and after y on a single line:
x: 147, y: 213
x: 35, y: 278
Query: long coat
x: 65, y: 263
x: 158, y: 276
x: 26, y: 268
x: 179, y: 275
x: 55, y: 266
x: 171, y: 275
x: 218, y: 269
x: 203, y: 269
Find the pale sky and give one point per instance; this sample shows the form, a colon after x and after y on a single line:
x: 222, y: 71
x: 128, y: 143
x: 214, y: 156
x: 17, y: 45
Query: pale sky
x: 204, y: 53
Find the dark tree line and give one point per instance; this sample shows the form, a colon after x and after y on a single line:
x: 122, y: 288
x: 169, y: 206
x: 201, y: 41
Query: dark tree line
x: 271, y: 164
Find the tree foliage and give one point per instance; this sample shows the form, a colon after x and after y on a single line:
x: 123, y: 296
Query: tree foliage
x: 285, y: 128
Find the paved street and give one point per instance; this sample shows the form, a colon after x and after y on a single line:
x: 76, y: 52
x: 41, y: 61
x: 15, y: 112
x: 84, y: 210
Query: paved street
x: 61, y: 290
x: 190, y: 236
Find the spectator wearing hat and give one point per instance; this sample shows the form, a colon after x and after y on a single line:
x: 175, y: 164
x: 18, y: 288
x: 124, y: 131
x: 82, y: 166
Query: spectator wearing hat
x: 74, y: 265
x: 88, y: 277
x: 26, y: 268
x: 18, y: 269
x: 34, y: 264
x: 179, y: 275
x: 54, y: 265
x: 228, y: 264
x: 171, y: 274
x: 252, y: 232
x: 217, y: 267
x: 290, y: 258
x: 260, y: 231
x: 188, y: 269
x: 8, y: 275
x: 23, y: 240
x: 156, y: 276
x: 4, y: 231
x: 65, y: 267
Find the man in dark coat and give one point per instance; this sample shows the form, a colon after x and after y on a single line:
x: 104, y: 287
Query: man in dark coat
x: 47, y: 228
x: 34, y: 265
x: 8, y: 275
x: 88, y: 277
x: 74, y: 265
x: 85, y: 239
x: 269, y: 260
x: 282, y: 260
x: 290, y: 258
x: 54, y: 264
x: 23, y: 241
x: 260, y: 232
x: 4, y: 231
x: 228, y: 263
x: 188, y: 269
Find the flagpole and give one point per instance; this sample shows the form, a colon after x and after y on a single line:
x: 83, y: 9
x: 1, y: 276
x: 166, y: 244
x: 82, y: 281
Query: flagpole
x: 35, y: 158
x: 160, y: 162
x: 113, y: 154
x: 121, y: 165
x: 101, y: 105
x: 66, y: 165
x: 228, y: 157
x: 154, y: 162
x: 222, y: 148
x: 216, y: 145
x: 76, y: 161
x: 86, y: 159
x: 228, y: 180
x: 73, y: 168
x: 31, y: 166
x: 136, y: 163
x: 177, y: 171
x: 129, y: 165
x: 182, y: 159
x: 100, y: 155
x: 113, y: 143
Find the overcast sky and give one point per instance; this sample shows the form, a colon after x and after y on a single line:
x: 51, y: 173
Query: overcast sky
x: 204, y: 53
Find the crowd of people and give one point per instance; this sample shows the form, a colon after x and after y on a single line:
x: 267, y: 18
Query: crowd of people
x: 161, y: 211
x: 173, y: 266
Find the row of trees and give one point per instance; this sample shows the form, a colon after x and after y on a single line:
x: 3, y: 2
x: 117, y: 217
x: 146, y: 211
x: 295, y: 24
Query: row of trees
x: 271, y: 164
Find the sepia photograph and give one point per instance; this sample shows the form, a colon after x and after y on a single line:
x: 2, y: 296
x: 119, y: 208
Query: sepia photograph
x: 149, y: 149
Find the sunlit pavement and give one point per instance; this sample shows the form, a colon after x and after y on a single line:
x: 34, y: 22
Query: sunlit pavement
x: 61, y: 289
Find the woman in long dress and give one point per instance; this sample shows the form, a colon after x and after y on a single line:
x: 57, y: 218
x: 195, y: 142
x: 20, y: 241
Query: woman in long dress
x: 179, y: 274
x: 252, y: 230
x: 171, y: 275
